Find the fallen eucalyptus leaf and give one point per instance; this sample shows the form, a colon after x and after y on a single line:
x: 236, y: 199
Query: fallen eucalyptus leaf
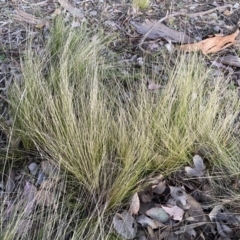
x: 195, y: 210
x: 230, y: 60
x: 179, y: 194
x: 159, y: 30
x: 198, y: 169
x: 74, y: 11
x: 158, y: 214
x: 223, y: 230
x: 189, y: 227
x: 125, y: 225
x: 135, y: 204
x: 212, y: 45
x: 146, y: 221
x: 10, y: 184
x: 213, y: 214
x: 175, y: 212
x: 28, y: 18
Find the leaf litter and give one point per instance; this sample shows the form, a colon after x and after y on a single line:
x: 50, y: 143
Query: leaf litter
x: 177, y: 215
x: 212, y: 44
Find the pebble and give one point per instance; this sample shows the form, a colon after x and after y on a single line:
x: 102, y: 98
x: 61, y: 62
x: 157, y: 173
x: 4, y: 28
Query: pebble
x: 93, y: 13
x: 217, y: 29
x: 236, y: 5
x: 109, y: 23
x: 213, y: 16
x: 169, y: 47
x: 33, y: 168
x: 76, y: 24
x: 140, y: 61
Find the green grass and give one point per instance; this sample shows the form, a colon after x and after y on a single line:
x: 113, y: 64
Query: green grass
x: 141, y: 4
x: 73, y: 109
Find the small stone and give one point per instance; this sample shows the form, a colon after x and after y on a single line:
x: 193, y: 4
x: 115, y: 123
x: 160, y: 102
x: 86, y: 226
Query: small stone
x: 75, y: 24
x: 213, y: 16
x: 93, y: 13
x: 33, y: 168
x: 217, y: 29
x: 236, y: 5
x: 109, y: 23
x: 140, y: 61
x: 169, y: 47
x: 158, y: 214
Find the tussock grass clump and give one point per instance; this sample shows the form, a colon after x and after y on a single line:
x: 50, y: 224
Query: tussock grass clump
x: 110, y: 142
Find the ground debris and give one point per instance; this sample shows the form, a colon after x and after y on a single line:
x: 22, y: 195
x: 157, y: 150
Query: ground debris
x: 181, y: 216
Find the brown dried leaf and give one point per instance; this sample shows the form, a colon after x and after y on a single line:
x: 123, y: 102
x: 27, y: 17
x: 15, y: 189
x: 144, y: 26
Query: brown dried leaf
x: 74, y: 11
x: 28, y: 18
x: 211, y: 45
x: 160, y: 30
x: 135, y: 204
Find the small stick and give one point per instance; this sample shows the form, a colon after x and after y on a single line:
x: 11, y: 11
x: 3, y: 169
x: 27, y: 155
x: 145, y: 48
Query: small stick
x: 179, y: 14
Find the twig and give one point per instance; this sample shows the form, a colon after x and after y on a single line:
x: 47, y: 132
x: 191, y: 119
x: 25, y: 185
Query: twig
x: 179, y: 14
